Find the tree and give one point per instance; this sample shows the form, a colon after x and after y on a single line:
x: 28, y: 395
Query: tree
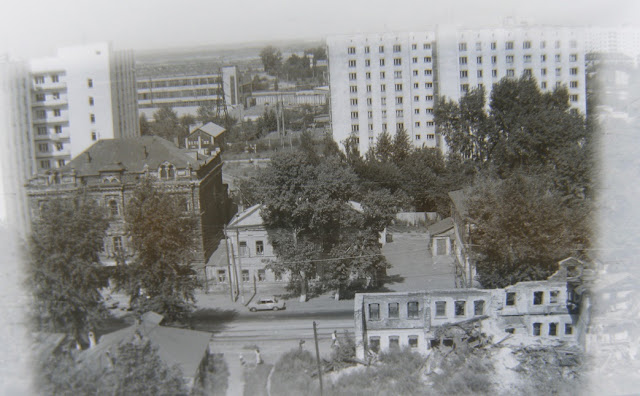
x: 521, y: 228
x: 401, y: 146
x: 384, y: 147
x: 145, y: 126
x: 166, y: 123
x: 64, y: 270
x: 271, y: 60
x: 160, y: 278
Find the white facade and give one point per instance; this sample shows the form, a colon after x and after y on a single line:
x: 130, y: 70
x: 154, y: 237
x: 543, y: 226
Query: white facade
x: 623, y: 40
x: 365, y: 71
x: 82, y: 95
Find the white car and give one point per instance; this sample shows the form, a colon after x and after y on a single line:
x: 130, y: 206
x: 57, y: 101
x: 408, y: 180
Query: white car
x: 266, y: 304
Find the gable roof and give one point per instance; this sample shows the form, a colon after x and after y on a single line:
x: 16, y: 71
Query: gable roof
x: 183, y: 347
x: 209, y: 128
x: 247, y: 218
x: 129, y: 154
x: 441, y: 226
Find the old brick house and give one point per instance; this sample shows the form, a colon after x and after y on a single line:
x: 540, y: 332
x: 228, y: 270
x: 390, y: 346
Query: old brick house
x: 109, y: 171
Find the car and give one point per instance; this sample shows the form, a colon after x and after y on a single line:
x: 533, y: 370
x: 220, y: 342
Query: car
x: 266, y: 304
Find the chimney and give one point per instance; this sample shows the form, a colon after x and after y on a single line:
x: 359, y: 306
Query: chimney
x: 88, y: 157
x: 92, y: 340
x: 146, y: 153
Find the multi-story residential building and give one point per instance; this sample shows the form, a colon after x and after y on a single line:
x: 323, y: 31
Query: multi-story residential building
x: 392, y: 81
x: 109, y: 172
x: 543, y: 312
x: 84, y: 94
x: 619, y: 40
x: 188, y: 90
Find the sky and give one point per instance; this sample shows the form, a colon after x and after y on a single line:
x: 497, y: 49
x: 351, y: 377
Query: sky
x: 30, y: 28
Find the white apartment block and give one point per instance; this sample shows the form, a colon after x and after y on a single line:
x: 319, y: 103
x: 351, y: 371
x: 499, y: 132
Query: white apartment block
x: 624, y: 40
x: 188, y: 90
x: 84, y: 94
x: 392, y: 81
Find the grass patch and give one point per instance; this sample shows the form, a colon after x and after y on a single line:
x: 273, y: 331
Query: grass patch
x: 255, y: 380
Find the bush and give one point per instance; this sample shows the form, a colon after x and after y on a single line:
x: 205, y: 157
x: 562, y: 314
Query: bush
x: 295, y: 374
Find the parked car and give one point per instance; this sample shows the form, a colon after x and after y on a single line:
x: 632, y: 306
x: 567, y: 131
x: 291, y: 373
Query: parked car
x: 266, y: 304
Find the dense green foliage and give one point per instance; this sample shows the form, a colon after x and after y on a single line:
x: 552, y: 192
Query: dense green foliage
x: 160, y: 277
x: 293, y: 374
x: 64, y: 271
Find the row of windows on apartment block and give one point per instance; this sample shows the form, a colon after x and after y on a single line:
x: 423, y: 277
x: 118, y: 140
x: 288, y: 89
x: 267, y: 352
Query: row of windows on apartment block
x: 41, y: 113
x: 243, y: 249
x: 46, y: 164
x: 40, y: 79
x: 41, y: 97
x: 399, y: 112
x: 262, y: 275
x: 508, y: 45
x: 184, y: 82
x: 399, y: 127
x: 418, y: 137
x: 178, y: 94
x: 527, y: 58
x: 396, y: 48
x: 459, y: 306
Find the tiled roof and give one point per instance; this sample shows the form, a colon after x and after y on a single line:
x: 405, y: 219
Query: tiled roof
x: 441, y: 226
x: 209, y: 128
x: 129, y: 154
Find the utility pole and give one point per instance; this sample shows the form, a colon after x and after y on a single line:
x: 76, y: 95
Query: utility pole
x: 315, y: 337
x: 226, y: 245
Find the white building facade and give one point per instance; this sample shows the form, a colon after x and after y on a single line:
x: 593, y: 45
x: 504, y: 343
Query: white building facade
x: 393, y: 81
x: 84, y: 94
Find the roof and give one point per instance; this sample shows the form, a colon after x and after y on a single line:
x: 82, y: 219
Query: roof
x: 209, y: 128
x: 183, y: 347
x: 45, y: 343
x: 458, y: 197
x: 129, y: 154
x: 441, y: 226
x: 247, y: 218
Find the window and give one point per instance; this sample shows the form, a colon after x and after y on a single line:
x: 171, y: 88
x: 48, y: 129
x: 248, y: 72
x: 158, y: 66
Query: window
x: 431, y: 123
x: 43, y: 147
x: 382, y: 75
x: 413, y: 341
x: 543, y: 44
x: 55, y: 95
x: 222, y: 275
x: 479, y: 73
x: 464, y: 88
x: 352, y: 63
x: 527, y: 72
x: 479, y: 60
x: 527, y: 59
x: 414, y: 46
x: 374, y: 344
x: 511, y: 298
x: 397, y: 61
x: 481, y: 85
x: 573, y: 71
x: 400, y: 126
x: 426, y: 46
x: 573, y: 98
x: 427, y: 59
x: 367, y: 75
x: 61, y: 163
x: 398, y: 87
x: 40, y: 97
x: 431, y: 136
x: 416, y: 98
x: 428, y: 97
x: 429, y: 111
x: 416, y: 111
x: 45, y: 164
x: 262, y: 275
x: 557, y: 57
x: 383, y: 101
x: 117, y: 244
x: 417, y: 124
x: 494, y: 59
x: 383, y: 88
x: 89, y: 83
x: 428, y: 72
x: 94, y: 136
x: 543, y: 72
x: 384, y: 127
x: 397, y: 74
x: 478, y: 307
x: 393, y: 311
x: 353, y: 88
x: 538, y: 297
x: 399, y: 100
x: 543, y: 85
x: 526, y: 44
x: 494, y: 73
x: 441, y: 307
x: 462, y: 60
x: 374, y: 311
x: 354, y: 115
x: 245, y: 275
x: 366, y: 49
x: 462, y: 47
x: 416, y: 85
x: 351, y: 50
x: 42, y: 130
x: 354, y: 101
x: 243, y: 249
x: 417, y: 137
x: 394, y: 342
x: 536, y: 329
x: 568, y: 328
x: 558, y: 71
x: 553, y: 296
x: 399, y: 113
x: 573, y: 58
x: 370, y: 127
x: 493, y: 45
x: 464, y: 74
x: 355, y: 128
x: 57, y: 112
x: 113, y: 207
x: 59, y: 146
x: 39, y: 79
x: 92, y: 117
x: 369, y: 114
x: 369, y: 101
x: 428, y: 85
x: 381, y: 49
x: 381, y: 62
x: 509, y: 58
x: 367, y: 63
x: 459, y: 307
x: 397, y: 48
x: 353, y: 76
x: 55, y: 78
x: 259, y: 248
x: 508, y: 45
x: 511, y: 73
x: 414, y: 59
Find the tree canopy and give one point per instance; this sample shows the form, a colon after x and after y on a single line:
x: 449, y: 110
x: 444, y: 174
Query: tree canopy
x: 64, y: 271
x: 271, y: 59
x: 160, y: 277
